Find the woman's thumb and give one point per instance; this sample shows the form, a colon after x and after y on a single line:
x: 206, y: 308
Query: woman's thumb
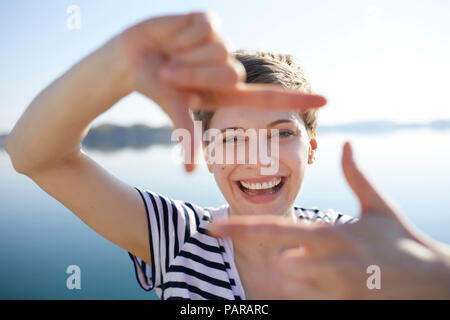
x: 371, y: 199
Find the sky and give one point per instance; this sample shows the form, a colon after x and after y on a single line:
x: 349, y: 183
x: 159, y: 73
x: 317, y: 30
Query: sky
x: 373, y: 60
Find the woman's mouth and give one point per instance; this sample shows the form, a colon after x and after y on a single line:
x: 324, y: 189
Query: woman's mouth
x: 261, y: 190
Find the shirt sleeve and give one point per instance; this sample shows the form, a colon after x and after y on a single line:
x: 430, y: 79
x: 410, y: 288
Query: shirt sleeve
x: 170, y: 224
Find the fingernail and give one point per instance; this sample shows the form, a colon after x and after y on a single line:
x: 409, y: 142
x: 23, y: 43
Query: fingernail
x: 189, y: 167
x: 321, y: 100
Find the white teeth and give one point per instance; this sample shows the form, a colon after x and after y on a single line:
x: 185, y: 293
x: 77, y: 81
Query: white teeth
x: 259, y: 186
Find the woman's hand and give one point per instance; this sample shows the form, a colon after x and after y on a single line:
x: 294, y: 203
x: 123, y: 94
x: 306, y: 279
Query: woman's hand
x: 182, y: 62
x: 334, y: 260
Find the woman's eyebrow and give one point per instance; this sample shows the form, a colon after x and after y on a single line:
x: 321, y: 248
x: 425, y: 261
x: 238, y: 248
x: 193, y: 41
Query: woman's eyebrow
x: 274, y: 123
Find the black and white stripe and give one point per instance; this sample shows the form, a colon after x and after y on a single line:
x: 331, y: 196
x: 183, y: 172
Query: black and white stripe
x: 187, y: 263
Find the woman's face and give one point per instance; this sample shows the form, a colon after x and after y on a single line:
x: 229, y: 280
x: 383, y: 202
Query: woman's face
x: 247, y: 189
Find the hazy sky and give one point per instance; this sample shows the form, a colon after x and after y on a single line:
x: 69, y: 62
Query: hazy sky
x: 371, y: 59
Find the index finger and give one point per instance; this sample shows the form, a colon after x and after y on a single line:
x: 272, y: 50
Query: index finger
x: 265, y: 96
x: 273, y: 230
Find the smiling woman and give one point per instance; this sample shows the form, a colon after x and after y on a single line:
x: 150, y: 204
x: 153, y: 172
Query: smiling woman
x: 294, y: 146
x: 186, y: 261
x: 175, y: 61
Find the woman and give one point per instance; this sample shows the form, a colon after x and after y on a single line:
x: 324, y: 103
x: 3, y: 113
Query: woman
x: 178, y: 62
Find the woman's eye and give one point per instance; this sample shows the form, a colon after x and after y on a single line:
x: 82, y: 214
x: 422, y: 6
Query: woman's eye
x: 283, y: 133
x: 232, y: 139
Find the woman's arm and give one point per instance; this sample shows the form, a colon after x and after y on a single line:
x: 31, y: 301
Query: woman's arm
x: 45, y: 145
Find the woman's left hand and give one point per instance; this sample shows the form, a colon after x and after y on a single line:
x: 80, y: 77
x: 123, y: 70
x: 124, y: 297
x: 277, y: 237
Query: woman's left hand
x: 380, y: 256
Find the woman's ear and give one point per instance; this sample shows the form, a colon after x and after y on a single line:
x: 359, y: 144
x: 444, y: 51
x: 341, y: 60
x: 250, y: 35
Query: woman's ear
x: 312, y: 149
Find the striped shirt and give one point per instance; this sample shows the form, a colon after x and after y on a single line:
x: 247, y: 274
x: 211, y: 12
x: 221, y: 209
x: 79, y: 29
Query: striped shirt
x: 186, y: 262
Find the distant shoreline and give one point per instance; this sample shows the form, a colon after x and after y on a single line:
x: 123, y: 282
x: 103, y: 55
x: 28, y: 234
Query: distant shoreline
x: 111, y: 137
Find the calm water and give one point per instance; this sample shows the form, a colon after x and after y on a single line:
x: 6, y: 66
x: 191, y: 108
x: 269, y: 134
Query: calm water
x: 39, y: 237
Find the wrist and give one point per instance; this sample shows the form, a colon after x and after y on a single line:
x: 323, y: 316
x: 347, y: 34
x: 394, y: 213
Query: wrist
x: 117, y: 65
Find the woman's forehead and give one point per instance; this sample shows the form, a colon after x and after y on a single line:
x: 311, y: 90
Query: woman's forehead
x: 250, y: 118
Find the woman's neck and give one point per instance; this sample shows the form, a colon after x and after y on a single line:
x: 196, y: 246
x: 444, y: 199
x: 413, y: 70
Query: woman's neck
x: 258, y: 250
x: 290, y: 213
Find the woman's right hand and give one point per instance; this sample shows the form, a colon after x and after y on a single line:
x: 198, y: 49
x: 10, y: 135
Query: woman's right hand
x: 380, y: 256
x: 182, y: 62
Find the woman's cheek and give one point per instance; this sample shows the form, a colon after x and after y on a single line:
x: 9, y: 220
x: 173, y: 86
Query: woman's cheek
x: 294, y: 157
x: 221, y: 175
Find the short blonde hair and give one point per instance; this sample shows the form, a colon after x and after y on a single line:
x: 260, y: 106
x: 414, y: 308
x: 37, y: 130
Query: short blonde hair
x: 266, y: 67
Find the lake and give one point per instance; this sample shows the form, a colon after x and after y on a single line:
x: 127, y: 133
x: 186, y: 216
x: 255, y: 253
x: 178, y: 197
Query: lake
x: 40, y: 238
